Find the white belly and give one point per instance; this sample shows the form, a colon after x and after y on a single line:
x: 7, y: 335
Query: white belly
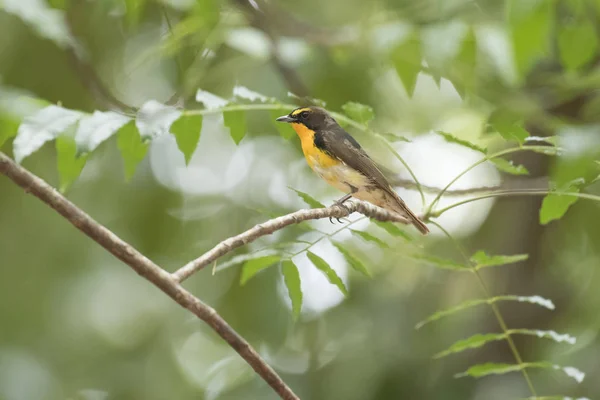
x: 341, y: 176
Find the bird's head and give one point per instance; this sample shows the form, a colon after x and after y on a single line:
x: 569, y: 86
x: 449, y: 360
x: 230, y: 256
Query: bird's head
x: 313, y: 118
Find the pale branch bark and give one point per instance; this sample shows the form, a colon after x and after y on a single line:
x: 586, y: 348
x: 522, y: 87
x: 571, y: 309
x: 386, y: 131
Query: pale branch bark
x: 145, y: 267
x: 266, y: 228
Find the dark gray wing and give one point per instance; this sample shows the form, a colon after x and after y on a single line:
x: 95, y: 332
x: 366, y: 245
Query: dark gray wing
x: 341, y: 145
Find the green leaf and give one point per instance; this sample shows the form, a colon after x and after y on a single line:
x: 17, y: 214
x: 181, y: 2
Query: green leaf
x: 254, y: 266
x: 508, y: 125
x: 466, y: 63
x: 291, y: 277
x: 359, y: 112
x: 475, y: 302
x: 508, y: 167
x: 555, y: 205
x: 285, y: 130
x: 407, y: 61
x: 354, y: 262
x: 243, y: 92
x: 483, y: 260
x: 577, y: 44
x: 480, y: 370
x: 69, y: 165
x: 552, y: 335
x: 331, y: 275
x: 236, y: 122
x: 49, y: 23
x: 530, y: 33
x: 94, y: 129
x: 233, y: 261
x: 370, y: 238
x: 393, y: 230
x: 307, y: 100
x: 308, y: 199
x: 132, y: 148
x: 453, y: 139
x: 187, y: 134
x: 41, y: 127
x: 134, y: 9
x: 8, y: 128
x: 439, y: 262
x: 155, y: 119
x: 210, y: 100
x: 394, y: 137
x: 472, y: 342
x: 547, y: 150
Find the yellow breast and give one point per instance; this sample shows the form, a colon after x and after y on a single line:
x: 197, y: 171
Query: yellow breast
x: 314, y: 155
x: 335, y: 172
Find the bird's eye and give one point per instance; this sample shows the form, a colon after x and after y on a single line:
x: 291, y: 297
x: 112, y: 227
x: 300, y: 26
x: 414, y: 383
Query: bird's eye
x: 304, y: 114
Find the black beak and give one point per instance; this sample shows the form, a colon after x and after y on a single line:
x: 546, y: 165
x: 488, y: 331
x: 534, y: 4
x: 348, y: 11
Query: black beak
x: 286, y: 118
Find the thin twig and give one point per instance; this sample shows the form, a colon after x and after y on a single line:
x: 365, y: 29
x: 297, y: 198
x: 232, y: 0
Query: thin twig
x: 143, y: 266
x: 266, y: 228
x: 523, y: 184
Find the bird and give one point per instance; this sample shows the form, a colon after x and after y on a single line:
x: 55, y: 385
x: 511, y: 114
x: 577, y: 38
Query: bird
x: 339, y: 159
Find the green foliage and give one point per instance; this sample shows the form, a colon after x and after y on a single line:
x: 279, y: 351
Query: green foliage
x: 331, y: 275
x: 255, y: 265
x: 466, y: 63
x: 481, y: 370
x: 370, y: 238
x: 8, y: 128
x: 291, y: 277
x: 508, y: 125
x: 308, y: 199
x: 476, y: 302
x: 133, y: 149
x: 354, y: 262
x: 94, y: 129
x: 478, y: 340
x: 406, y: 58
x: 530, y: 24
x: 155, y: 119
x: 481, y: 259
x: 236, y: 122
x: 393, y: 230
x: 69, y: 164
x: 555, y: 205
x: 439, y: 262
x: 187, y: 133
x: 42, y: 127
x: 359, y: 112
x: 394, y: 137
x: 453, y: 139
x: 577, y: 44
x: 473, y: 342
x: 508, y: 167
x: 49, y: 23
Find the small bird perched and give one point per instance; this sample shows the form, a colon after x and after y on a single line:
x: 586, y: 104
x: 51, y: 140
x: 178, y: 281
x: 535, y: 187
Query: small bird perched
x: 338, y: 158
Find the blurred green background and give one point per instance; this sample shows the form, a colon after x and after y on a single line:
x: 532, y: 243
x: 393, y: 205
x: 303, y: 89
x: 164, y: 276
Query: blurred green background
x: 75, y: 323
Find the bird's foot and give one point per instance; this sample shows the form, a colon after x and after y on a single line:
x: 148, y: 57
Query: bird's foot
x: 340, y: 203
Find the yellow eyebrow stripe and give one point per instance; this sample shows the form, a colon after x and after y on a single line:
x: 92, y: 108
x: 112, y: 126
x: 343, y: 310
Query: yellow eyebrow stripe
x: 298, y: 111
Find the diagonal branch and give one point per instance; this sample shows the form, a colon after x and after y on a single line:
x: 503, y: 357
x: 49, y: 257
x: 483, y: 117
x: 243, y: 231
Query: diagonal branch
x: 266, y: 228
x: 145, y: 267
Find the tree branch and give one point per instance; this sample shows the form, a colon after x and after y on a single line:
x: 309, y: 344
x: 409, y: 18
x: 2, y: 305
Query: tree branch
x: 266, y: 228
x: 145, y: 267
